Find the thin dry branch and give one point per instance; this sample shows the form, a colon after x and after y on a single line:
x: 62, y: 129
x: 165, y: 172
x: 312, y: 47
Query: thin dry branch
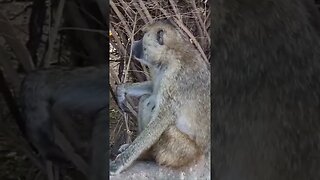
x: 137, y: 7
x: 67, y: 148
x: 127, y: 8
x: 145, y: 10
x: 129, y: 133
x: 120, y: 16
x: 8, y: 70
x: 200, y: 21
x: 121, y: 49
x: 176, y: 11
x: 53, y: 33
x: 21, y: 52
x: 103, y: 32
x: 131, y: 37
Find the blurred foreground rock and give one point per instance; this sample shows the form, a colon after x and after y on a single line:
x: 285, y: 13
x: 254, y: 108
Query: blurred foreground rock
x: 141, y: 170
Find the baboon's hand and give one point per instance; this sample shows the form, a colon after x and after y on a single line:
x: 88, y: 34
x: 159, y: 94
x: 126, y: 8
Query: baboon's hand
x: 114, y: 167
x: 121, y: 97
x: 123, y: 147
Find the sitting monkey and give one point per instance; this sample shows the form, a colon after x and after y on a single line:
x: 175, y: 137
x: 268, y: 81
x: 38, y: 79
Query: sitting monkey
x: 177, y: 129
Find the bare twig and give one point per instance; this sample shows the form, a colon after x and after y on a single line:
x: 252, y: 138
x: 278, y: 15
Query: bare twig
x: 145, y: 10
x: 53, y: 34
x: 25, y: 9
x: 131, y: 37
x: 67, y: 148
x: 103, y: 32
x: 136, y: 5
x: 19, y: 49
x: 127, y: 8
x: 11, y: 74
x: 176, y: 11
x: 119, y: 45
x: 129, y: 133
x: 199, y: 19
x: 121, y: 17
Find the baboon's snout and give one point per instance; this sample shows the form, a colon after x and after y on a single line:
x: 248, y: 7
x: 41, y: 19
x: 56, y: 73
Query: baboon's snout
x: 137, y: 49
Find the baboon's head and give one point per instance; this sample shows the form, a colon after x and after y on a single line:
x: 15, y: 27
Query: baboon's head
x: 160, y: 43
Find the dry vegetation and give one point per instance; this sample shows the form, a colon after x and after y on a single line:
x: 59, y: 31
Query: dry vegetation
x: 126, y: 20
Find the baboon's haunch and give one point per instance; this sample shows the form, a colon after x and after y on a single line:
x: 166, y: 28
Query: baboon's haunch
x: 52, y: 96
x: 177, y: 129
x: 266, y: 66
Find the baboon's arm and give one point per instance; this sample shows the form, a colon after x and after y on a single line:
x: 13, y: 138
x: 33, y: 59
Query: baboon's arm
x: 160, y: 121
x: 135, y: 89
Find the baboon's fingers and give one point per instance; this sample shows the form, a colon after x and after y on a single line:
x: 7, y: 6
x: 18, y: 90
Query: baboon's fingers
x: 121, y: 98
x: 113, y: 168
x: 123, y: 147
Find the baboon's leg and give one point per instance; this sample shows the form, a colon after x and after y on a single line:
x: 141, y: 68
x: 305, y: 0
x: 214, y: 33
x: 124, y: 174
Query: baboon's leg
x: 40, y: 131
x: 145, y: 107
x: 134, y: 89
x: 174, y: 148
x: 145, y: 110
x: 98, y: 164
x: 64, y: 121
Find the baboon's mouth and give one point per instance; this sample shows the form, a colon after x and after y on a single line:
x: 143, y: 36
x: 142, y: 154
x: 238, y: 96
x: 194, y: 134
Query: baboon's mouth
x: 137, y: 49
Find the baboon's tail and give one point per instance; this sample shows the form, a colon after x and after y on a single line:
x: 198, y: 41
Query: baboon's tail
x: 35, y: 106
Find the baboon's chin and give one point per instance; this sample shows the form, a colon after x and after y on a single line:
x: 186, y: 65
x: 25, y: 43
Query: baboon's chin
x: 141, y: 60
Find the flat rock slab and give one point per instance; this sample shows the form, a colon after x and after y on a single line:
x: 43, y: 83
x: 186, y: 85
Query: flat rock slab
x: 142, y: 170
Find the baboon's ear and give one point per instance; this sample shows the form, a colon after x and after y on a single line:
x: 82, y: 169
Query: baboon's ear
x: 160, y: 37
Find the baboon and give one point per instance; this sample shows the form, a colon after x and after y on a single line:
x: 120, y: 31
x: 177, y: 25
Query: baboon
x: 180, y: 121
x: 166, y: 151
x: 53, y: 96
x: 266, y: 86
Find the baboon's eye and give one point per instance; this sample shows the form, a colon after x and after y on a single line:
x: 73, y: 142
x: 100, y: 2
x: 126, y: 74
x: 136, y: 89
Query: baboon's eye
x: 160, y: 37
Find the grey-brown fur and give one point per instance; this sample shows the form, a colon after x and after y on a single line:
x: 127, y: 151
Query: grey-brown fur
x: 181, y: 88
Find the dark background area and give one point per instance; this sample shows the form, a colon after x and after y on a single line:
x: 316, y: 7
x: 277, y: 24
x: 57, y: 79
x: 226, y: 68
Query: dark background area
x: 42, y: 34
